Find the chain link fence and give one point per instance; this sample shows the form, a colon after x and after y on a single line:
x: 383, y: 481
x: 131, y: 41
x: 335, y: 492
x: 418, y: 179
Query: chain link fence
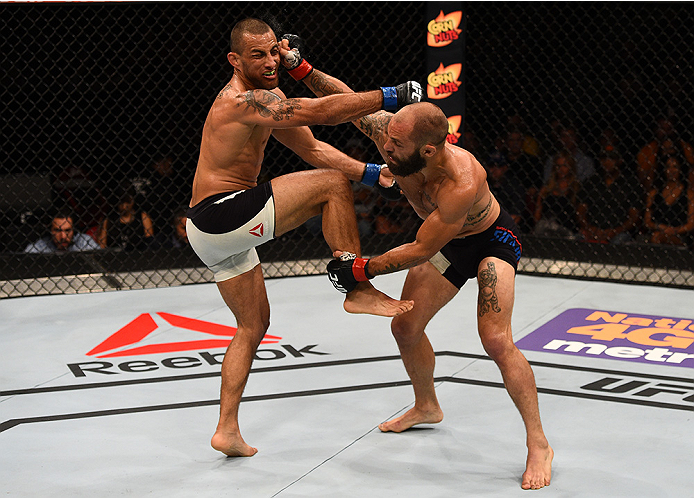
x: 104, y: 103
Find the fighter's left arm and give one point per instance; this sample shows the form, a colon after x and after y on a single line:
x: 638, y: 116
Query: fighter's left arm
x: 317, y: 153
x: 440, y: 227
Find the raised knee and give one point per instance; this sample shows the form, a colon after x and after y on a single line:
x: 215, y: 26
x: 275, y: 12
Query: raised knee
x: 404, y: 331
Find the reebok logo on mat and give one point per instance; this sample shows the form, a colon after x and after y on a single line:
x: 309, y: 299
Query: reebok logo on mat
x: 142, y: 326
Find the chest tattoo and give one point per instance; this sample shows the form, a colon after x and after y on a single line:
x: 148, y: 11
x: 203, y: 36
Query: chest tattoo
x: 475, y: 219
x: 431, y: 201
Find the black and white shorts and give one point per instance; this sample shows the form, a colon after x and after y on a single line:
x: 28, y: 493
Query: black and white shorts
x: 459, y: 260
x: 225, y: 228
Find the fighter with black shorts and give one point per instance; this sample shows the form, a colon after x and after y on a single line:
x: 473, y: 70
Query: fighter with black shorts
x: 459, y: 259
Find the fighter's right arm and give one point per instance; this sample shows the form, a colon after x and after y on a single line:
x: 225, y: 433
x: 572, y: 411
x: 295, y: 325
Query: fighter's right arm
x: 375, y: 125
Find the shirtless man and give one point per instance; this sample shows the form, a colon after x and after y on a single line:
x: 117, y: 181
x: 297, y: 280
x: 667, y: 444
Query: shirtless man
x: 230, y: 214
x: 465, y: 234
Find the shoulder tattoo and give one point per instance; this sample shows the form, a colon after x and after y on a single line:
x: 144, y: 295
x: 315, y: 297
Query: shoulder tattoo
x: 223, y: 91
x: 261, y: 100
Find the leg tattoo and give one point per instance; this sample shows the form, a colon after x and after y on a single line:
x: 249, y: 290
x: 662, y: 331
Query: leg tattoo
x: 487, y: 300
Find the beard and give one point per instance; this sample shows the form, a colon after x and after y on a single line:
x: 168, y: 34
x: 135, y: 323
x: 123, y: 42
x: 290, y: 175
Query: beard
x: 408, y: 166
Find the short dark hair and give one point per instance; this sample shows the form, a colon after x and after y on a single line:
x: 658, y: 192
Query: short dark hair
x: 62, y: 214
x: 248, y: 25
x: 178, y: 213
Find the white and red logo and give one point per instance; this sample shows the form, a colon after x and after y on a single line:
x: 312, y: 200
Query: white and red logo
x: 257, y: 230
x: 124, y: 341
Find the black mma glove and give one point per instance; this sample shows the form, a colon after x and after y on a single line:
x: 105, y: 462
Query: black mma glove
x: 397, y: 97
x: 392, y: 193
x: 347, y: 271
x: 297, y: 67
x: 372, y: 173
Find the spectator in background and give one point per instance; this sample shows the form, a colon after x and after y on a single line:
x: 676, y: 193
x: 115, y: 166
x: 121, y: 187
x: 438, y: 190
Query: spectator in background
x: 556, y: 206
x: 665, y: 142
x: 173, y: 235
x: 509, y: 192
x: 471, y: 143
x: 162, y: 187
x: 127, y: 228
x: 77, y: 190
x: 610, y: 202
x: 670, y: 209
x: 568, y: 140
x: 62, y: 238
x: 523, y: 167
x: 529, y: 145
x: 608, y: 140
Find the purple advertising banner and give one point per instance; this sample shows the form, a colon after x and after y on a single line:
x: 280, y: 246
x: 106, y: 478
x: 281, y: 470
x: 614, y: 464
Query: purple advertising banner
x: 616, y: 335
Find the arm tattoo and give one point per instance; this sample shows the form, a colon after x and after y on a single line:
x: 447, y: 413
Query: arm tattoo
x: 474, y: 220
x: 261, y: 100
x: 321, y: 86
x: 375, y: 125
x: 487, y: 299
x: 391, y: 268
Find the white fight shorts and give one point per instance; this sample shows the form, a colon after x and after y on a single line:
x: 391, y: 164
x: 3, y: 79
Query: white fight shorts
x: 225, y: 228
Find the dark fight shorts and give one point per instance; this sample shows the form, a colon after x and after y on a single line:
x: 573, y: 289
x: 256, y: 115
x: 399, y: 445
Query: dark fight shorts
x: 225, y: 228
x: 459, y: 260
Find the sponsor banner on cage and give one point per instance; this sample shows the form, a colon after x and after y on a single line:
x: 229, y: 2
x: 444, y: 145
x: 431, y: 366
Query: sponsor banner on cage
x: 616, y: 335
x: 445, y: 63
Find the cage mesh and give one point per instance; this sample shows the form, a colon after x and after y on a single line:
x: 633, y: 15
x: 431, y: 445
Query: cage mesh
x: 581, y: 113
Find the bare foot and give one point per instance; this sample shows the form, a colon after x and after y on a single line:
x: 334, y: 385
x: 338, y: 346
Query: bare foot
x: 232, y: 445
x: 538, y: 468
x: 413, y: 416
x: 365, y: 298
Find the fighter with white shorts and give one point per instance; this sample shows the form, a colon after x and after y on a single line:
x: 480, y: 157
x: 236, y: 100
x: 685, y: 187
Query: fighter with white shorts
x: 225, y: 228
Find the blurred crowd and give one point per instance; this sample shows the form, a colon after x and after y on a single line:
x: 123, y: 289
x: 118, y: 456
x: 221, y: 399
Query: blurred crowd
x: 563, y: 186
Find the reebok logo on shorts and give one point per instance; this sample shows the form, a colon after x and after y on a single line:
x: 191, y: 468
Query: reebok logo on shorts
x: 257, y: 230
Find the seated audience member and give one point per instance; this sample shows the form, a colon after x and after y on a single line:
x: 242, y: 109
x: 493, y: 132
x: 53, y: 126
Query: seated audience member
x: 610, y: 202
x: 507, y: 190
x: 555, y: 209
x: 62, y: 238
x: 174, y: 236
x: 530, y: 145
x: 666, y: 142
x: 162, y: 187
x: 524, y: 168
x: 568, y: 140
x: 80, y: 194
x: 670, y: 209
x: 128, y: 227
